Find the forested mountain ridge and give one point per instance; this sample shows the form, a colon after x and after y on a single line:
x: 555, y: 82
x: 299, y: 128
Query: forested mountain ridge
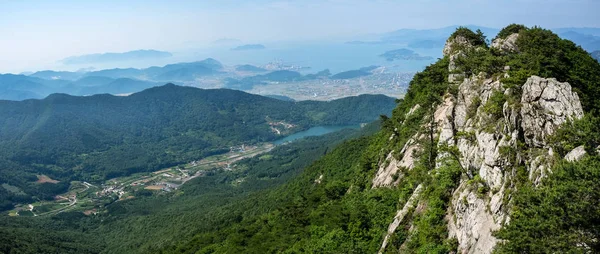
x: 103, y: 136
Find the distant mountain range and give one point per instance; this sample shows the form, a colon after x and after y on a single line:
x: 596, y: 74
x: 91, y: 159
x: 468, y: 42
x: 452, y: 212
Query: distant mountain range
x: 249, y: 47
x: 596, y: 55
x: 113, y: 81
x: 117, y: 57
x: 65, y: 75
x: 21, y: 87
x: 130, y: 80
x: 586, y: 41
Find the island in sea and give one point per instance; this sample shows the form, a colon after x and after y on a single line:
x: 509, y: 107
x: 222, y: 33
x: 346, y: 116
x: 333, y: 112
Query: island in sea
x: 403, y: 54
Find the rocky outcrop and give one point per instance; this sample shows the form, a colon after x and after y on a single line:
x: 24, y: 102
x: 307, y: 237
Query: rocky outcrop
x: 488, y: 148
x: 400, y: 216
x: 475, y: 214
x: 488, y: 151
x: 470, y: 222
x: 389, y: 172
x: 443, y: 118
x: 546, y: 104
x: 576, y: 154
x: 455, y: 49
x: 386, y: 174
x: 491, y: 131
x: 319, y: 180
x: 508, y: 44
x: 413, y: 109
x: 454, y: 44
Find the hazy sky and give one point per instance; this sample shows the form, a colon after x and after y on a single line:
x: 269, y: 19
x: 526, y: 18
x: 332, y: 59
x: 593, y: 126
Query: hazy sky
x: 35, y: 34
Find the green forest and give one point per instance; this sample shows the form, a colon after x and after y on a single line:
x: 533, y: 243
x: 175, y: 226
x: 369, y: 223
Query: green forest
x: 162, y: 222
x: 101, y: 137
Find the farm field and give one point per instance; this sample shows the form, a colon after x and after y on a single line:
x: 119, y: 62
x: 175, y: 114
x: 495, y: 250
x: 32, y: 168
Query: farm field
x: 92, y: 198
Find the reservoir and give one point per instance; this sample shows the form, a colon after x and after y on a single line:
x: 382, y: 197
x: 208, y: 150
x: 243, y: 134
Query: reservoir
x: 315, y: 131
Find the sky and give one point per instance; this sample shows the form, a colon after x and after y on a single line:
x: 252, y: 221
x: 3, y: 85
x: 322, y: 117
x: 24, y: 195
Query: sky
x: 35, y: 34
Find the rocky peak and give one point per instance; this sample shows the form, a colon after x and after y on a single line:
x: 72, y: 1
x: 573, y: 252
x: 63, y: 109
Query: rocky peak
x: 473, y: 214
x: 454, y: 49
x: 454, y: 44
x: 459, y: 45
x: 496, y: 127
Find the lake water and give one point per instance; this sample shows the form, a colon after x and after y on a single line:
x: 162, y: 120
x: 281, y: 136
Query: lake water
x: 314, y: 131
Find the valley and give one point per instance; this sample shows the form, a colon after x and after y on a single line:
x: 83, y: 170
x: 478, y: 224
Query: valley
x: 91, y: 199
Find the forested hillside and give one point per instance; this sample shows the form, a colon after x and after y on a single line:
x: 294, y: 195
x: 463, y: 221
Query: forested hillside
x: 102, y: 136
x: 151, y: 222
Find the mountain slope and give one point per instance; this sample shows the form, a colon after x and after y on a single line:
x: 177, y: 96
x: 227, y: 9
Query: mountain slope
x: 217, y: 198
x: 103, y: 136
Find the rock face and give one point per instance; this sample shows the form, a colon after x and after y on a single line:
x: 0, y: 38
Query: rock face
x: 546, y: 103
x: 385, y: 175
x: 494, y: 130
x: 389, y: 172
x: 508, y: 44
x: 454, y: 49
x: 487, y: 146
x: 400, y: 216
x: 576, y: 154
x: 454, y: 44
